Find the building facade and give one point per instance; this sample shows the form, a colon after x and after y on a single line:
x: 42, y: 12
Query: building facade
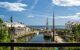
x: 18, y: 28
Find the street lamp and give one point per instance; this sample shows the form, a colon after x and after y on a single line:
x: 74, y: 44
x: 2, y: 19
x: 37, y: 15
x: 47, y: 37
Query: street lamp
x: 11, y: 32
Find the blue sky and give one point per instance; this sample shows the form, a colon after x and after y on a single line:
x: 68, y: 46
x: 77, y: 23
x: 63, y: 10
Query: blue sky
x: 35, y: 12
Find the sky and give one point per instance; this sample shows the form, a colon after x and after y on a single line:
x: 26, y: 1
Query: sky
x: 35, y: 12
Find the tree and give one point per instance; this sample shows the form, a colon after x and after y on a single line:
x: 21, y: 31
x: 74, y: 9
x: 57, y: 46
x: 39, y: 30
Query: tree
x: 4, y: 35
x: 1, y: 21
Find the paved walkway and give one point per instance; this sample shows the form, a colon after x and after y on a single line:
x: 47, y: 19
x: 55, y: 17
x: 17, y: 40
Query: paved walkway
x: 58, y: 39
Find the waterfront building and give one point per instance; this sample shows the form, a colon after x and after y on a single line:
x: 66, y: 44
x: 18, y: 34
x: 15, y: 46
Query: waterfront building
x: 19, y: 28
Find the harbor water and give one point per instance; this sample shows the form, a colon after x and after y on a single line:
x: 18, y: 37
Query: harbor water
x: 40, y: 38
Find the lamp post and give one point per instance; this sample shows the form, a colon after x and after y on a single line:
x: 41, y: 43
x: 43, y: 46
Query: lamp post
x: 11, y: 34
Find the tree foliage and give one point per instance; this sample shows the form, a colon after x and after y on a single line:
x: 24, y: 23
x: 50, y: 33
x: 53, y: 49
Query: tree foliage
x: 1, y: 21
x: 4, y: 35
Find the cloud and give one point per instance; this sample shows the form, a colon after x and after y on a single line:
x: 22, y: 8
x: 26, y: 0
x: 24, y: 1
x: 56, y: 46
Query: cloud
x: 1, y: 16
x: 36, y: 1
x: 30, y: 16
x: 78, y: 13
x: 66, y: 17
x: 13, y: 6
x: 66, y: 2
x: 74, y: 17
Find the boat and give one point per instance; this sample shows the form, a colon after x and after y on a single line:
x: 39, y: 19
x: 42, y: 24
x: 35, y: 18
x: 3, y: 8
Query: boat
x: 47, y: 34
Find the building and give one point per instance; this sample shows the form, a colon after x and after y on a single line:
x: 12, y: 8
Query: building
x: 19, y: 28
x: 14, y: 24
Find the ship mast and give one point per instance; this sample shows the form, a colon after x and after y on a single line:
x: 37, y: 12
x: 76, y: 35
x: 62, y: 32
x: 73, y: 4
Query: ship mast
x: 53, y: 27
x: 11, y: 20
x: 46, y: 23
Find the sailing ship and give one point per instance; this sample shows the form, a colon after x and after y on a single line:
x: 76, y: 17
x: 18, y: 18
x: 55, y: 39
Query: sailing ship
x: 47, y: 33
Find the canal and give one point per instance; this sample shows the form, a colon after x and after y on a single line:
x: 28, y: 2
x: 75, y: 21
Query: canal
x: 34, y: 38
x: 40, y: 38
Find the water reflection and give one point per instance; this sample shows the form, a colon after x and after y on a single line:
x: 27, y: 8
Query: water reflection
x: 28, y: 38
x: 40, y: 38
x: 47, y: 39
x: 35, y: 38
